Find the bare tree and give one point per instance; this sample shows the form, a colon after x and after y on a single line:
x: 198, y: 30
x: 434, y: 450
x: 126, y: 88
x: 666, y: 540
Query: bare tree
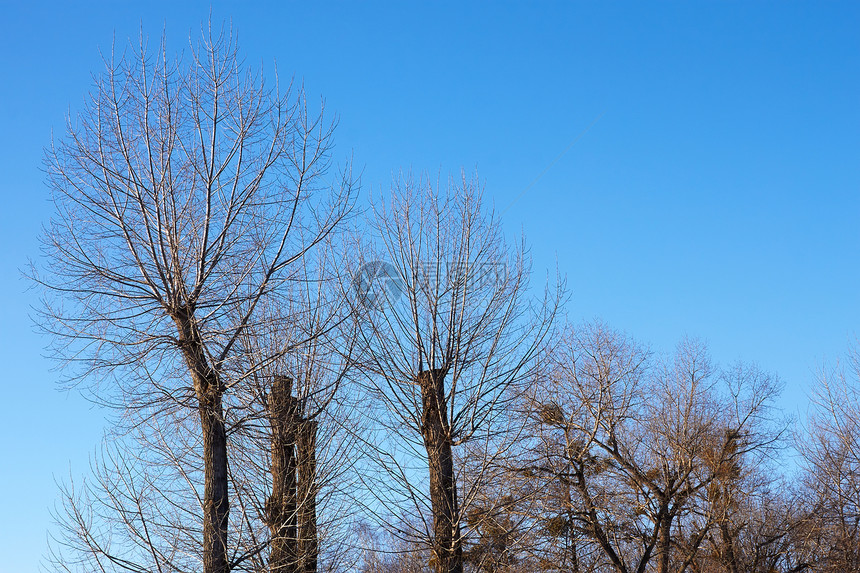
x: 294, y: 409
x: 629, y: 455
x: 760, y: 528
x: 139, y: 510
x: 447, y: 335
x: 185, y: 193
x: 830, y: 449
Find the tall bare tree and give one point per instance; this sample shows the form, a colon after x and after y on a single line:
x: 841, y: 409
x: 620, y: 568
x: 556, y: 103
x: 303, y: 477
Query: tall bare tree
x: 447, y: 335
x: 185, y: 192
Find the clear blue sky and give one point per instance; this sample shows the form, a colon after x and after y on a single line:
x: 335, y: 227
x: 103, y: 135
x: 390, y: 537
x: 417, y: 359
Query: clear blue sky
x: 717, y: 194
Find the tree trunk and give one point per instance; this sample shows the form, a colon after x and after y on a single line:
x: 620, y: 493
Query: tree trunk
x: 729, y: 557
x: 571, y: 534
x: 447, y: 544
x: 281, y: 505
x: 216, y: 503
x: 308, y: 546
x: 664, y: 541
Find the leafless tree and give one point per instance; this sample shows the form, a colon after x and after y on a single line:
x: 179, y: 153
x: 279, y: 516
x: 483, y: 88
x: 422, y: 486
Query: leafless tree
x: 138, y: 512
x: 447, y: 335
x: 628, y: 454
x: 295, y: 410
x: 185, y: 191
x: 760, y: 528
x: 830, y: 449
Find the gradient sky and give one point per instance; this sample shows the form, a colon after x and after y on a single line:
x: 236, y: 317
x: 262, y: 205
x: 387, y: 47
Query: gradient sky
x: 712, y: 187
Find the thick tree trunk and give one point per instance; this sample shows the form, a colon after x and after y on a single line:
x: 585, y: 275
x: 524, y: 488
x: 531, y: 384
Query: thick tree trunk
x: 664, y: 542
x: 571, y: 534
x: 281, y: 505
x: 447, y: 544
x: 216, y: 502
x: 308, y: 548
x: 217, y: 506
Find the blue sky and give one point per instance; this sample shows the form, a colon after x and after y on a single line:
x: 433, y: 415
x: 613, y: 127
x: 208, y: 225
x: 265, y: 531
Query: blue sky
x: 713, y: 188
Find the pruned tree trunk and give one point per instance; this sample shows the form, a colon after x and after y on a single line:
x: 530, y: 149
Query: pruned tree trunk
x: 447, y: 544
x: 308, y: 543
x: 281, y: 505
